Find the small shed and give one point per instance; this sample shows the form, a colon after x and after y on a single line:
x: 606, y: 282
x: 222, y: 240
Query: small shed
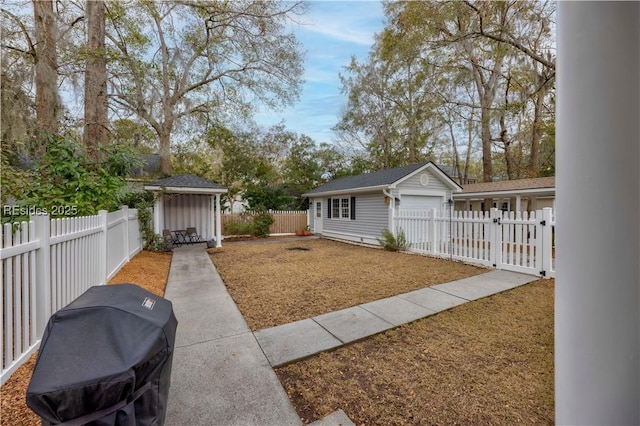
x: 358, y: 208
x: 188, y: 201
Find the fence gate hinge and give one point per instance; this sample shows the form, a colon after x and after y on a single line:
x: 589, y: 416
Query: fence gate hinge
x: 543, y: 273
x: 543, y: 223
x: 496, y: 220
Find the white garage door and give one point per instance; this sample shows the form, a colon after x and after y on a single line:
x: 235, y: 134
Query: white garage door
x: 420, y: 202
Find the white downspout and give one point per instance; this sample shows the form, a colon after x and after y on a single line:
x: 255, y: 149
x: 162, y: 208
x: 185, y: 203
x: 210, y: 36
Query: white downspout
x: 392, y: 209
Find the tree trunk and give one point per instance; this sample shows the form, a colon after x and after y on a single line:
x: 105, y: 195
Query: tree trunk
x: 165, y: 151
x: 536, y: 134
x: 95, y: 88
x: 46, y: 67
x: 485, y: 122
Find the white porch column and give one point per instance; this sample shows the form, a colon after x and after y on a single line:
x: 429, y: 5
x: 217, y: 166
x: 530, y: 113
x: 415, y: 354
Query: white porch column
x: 518, y: 203
x: 597, y: 316
x: 212, y: 215
x: 158, y: 215
x: 218, y: 222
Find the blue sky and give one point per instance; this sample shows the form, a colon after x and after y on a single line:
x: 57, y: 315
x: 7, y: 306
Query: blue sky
x: 334, y: 31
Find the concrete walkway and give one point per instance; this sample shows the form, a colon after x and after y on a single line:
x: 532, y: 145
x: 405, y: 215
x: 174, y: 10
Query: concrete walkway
x: 222, y: 372
x: 291, y: 342
x: 220, y: 375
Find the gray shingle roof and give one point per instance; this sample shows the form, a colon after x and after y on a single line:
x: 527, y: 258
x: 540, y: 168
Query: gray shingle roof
x: 511, y: 185
x: 186, y: 181
x: 373, y: 179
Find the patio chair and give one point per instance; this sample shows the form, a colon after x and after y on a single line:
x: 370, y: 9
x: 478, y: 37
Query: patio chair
x: 169, y: 238
x: 193, y: 237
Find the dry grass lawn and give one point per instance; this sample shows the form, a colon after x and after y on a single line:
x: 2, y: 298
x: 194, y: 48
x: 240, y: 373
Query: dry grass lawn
x: 148, y: 270
x: 486, y: 362
x: 489, y: 362
x: 275, y: 283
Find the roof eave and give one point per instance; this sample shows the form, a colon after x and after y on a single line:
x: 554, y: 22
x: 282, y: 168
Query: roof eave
x: 453, y: 185
x: 507, y: 192
x: 345, y: 191
x: 185, y: 190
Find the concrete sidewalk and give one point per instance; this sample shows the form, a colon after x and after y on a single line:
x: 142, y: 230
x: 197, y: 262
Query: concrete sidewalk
x: 291, y: 342
x: 220, y: 375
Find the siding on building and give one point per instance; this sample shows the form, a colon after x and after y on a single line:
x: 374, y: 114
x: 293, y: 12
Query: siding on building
x: 372, y: 215
x: 413, y: 183
x: 372, y: 212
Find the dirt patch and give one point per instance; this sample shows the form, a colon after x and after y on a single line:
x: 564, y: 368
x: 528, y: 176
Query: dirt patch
x: 282, y: 282
x: 486, y: 362
x: 148, y: 270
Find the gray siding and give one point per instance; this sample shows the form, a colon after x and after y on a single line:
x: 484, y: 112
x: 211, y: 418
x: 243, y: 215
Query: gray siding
x: 372, y: 215
x: 435, y: 184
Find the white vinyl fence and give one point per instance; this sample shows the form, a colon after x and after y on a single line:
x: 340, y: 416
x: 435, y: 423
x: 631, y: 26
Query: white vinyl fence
x: 519, y: 242
x: 47, y: 263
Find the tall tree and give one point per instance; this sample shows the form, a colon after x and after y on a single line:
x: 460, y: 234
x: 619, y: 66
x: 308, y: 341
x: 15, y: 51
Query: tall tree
x: 501, y: 49
x: 368, y: 119
x: 46, y: 66
x: 95, y: 81
x: 196, y: 59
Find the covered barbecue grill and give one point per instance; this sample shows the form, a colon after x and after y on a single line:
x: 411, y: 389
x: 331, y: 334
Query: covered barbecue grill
x: 105, y: 359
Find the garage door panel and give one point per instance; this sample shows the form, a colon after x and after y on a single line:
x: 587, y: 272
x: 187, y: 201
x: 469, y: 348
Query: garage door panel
x: 420, y: 202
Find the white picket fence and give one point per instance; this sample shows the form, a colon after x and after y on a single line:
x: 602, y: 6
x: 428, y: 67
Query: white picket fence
x: 47, y: 263
x: 519, y: 242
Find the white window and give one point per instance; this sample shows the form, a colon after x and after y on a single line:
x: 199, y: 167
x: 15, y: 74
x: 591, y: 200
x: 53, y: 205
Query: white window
x: 319, y: 209
x: 340, y: 208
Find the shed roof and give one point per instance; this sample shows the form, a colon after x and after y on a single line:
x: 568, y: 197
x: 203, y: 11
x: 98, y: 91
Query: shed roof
x: 381, y: 178
x: 186, y: 183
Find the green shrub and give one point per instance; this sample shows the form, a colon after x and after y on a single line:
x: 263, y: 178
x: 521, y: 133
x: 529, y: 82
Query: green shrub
x: 157, y: 242
x: 239, y: 227
x: 262, y: 220
x: 392, y: 242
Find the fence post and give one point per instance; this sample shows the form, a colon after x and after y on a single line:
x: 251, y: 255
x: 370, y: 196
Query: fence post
x: 495, y: 238
x: 125, y: 212
x: 42, y: 225
x: 431, y: 224
x: 547, y: 241
x: 102, y: 258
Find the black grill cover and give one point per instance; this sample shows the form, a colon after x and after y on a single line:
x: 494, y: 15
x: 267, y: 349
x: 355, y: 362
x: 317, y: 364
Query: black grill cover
x: 105, y: 359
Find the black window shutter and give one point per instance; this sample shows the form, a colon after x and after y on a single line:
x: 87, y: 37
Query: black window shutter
x: 329, y: 208
x: 353, y: 208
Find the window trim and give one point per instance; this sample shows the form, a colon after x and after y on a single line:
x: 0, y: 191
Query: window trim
x: 337, y: 203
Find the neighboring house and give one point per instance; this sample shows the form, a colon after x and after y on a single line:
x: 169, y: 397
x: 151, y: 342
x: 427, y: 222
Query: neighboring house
x: 358, y: 208
x: 508, y: 195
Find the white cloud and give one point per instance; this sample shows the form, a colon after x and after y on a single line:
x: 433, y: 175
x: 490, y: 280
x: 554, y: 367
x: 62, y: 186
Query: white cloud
x: 350, y: 21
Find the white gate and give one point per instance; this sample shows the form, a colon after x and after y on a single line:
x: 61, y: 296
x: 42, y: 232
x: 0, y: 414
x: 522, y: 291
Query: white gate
x: 514, y: 241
